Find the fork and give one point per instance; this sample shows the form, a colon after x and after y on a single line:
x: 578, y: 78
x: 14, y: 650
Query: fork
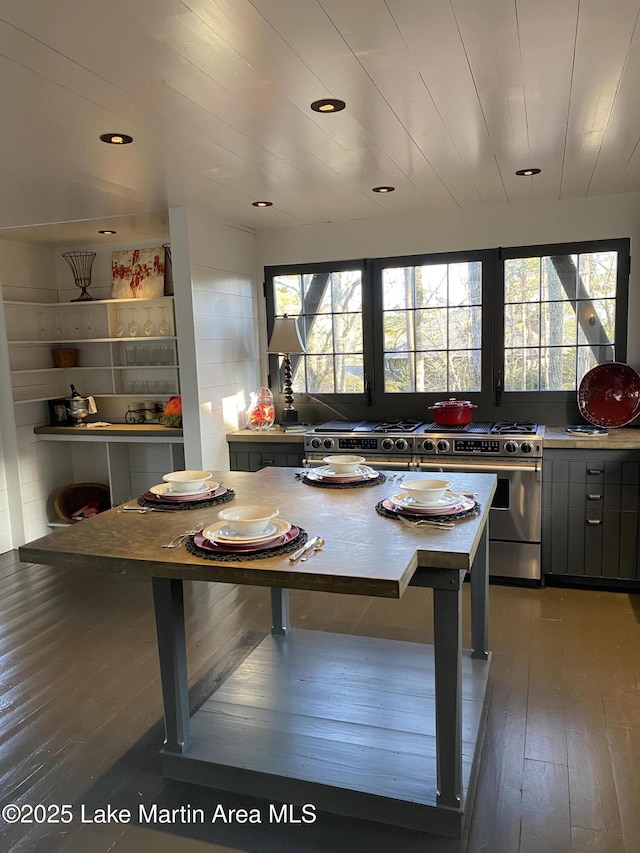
x: 179, y: 539
x: 425, y: 522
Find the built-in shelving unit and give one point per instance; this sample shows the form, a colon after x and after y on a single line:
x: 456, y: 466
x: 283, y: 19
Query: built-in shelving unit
x: 126, y: 351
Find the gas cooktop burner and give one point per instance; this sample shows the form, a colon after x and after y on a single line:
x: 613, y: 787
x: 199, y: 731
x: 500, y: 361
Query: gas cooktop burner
x: 397, y: 426
x: 514, y: 428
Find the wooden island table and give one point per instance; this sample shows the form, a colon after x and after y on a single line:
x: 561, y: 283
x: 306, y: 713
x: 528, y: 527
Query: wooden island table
x: 373, y: 728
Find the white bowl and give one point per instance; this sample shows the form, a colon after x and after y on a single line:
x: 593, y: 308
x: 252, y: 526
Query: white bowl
x: 188, y: 482
x: 344, y: 464
x: 426, y: 492
x: 248, y: 520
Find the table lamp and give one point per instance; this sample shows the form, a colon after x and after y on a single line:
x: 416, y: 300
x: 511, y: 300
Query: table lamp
x: 285, y: 340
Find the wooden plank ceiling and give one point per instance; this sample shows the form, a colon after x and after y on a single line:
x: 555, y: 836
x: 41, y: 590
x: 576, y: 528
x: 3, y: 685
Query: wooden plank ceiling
x: 446, y: 99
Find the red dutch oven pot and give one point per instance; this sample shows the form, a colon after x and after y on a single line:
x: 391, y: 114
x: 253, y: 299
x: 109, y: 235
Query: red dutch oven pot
x: 452, y: 412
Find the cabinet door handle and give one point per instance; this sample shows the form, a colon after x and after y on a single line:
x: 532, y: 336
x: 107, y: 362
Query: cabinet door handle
x: 591, y: 497
x: 594, y: 471
x: 594, y: 522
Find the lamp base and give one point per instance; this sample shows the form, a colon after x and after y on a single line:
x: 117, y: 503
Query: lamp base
x: 289, y: 416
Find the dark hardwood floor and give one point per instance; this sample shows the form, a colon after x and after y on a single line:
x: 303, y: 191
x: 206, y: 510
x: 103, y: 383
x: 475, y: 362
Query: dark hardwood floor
x: 80, y: 716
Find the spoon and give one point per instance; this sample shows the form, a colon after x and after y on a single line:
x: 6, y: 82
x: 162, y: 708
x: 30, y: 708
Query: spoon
x: 317, y: 547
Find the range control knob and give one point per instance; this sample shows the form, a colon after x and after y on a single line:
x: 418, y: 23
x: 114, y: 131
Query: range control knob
x: 327, y: 443
x: 510, y: 447
x: 428, y: 445
x: 387, y: 444
x: 402, y: 444
x: 442, y: 446
x: 315, y: 443
x: 526, y: 447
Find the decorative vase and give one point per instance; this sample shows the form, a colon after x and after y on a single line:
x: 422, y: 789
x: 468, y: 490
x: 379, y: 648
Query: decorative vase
x: 262, y: 412
x: 81, y: 263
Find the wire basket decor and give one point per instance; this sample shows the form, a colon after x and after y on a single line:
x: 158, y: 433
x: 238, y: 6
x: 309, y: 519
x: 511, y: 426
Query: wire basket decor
x: 81, y: 263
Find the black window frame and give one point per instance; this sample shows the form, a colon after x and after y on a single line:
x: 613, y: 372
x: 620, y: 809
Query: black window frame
x: 549, y: 407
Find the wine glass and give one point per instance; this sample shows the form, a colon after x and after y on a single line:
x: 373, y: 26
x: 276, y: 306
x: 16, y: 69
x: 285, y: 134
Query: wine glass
x: 164, y: 327
x: 89, y: 325
x: 59, y: 332
x: 43, y: 326
x: 133, y: 326
x: 119, y: 329
x: 149, y: 327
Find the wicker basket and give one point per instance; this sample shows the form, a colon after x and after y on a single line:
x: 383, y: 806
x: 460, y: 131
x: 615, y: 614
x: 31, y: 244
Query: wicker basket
x: 67, y: 357
x: 73, y: 497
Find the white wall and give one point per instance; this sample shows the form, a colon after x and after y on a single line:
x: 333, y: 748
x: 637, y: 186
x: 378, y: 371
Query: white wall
x: 30, y: 471
x: 488, y: 227
x: 214, y: 266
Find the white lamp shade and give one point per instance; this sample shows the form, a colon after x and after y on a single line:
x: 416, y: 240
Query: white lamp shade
x: 285, y: 338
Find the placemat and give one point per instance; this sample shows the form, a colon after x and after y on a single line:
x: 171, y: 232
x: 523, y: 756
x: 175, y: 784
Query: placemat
x: 357, y: 485
x: 382, y: 510
x: 262, y: 554
x: 227, y: 496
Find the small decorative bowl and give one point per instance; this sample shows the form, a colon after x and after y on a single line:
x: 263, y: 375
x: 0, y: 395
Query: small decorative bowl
x: 188, y: 482
x: 248, y: 520
x: 343, y: 464
x: 426, y: 492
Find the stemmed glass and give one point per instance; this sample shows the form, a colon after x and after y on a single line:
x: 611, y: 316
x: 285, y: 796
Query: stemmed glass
x: 164, y: 327
x: 149, y: 327
x: 89, y: 325
x: 119, y: 329
x: 133, y: 326
x: 43, y: 327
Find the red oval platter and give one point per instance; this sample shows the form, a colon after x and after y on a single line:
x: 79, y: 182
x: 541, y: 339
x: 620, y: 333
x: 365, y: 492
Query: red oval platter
x: 609, y: 394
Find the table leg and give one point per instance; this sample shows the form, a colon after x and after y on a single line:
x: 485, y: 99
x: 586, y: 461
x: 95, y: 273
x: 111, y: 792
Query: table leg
x: 169, y: 610
x: 447, y: 625
x: 479, y: 580
x: 279, y: 611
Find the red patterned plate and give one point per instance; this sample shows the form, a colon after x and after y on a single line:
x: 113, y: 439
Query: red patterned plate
x: 203, y: 496
x: 609, y: 394
x: 247, y: 548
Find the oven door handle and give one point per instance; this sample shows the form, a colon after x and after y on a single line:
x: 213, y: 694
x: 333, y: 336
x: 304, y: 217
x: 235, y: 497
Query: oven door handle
x: 488, y: 468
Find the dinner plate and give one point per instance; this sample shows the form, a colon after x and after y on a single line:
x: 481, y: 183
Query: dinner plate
x: 164, y: 491
x: 205, y: 496
x: 320, y: 477
x: 247, y: 547
x: 609, y: 394
x: 461, y: 505
x: 223, y: 532
x: 327, y: 471
x: 405, y: 500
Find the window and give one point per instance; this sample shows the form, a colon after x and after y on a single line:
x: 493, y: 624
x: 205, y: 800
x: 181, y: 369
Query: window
x: 432, y: 322
x: 327, y: 300
x: 513, y: 330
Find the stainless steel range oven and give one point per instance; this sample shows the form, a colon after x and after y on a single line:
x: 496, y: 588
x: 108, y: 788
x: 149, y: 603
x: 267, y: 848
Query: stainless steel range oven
x: 386, y: 446
x: 511, y: 450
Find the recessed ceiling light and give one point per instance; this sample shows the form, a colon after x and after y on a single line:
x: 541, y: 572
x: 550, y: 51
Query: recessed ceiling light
x: 328, y: 105
x: 383, y: 189
x: 262, y: 203
x: 116, y: 138
x: 106, y: 231
x: 528, y: 172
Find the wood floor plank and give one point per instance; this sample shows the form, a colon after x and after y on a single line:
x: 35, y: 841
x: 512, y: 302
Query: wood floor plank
x: 80, y: 712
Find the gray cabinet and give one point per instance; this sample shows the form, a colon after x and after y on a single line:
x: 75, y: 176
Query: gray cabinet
x: 252, y: 456
x: 590, y: 514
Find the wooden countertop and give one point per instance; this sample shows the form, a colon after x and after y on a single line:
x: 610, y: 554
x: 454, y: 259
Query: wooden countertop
x: 128, y: 432
x: 622, y: 438
x: 365, y: 553
x: 277, y: 434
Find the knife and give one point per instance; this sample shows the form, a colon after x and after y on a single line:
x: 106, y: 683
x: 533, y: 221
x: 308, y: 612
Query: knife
x: 307, y: 547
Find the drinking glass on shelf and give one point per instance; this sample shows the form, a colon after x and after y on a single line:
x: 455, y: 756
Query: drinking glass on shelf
x: 59, y: 332
x: 89, y: 324
x: 149, y: 327
x: 133, y: 327
x: 164, y: 327
x: 119, y: 329
x: 43, y: 326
